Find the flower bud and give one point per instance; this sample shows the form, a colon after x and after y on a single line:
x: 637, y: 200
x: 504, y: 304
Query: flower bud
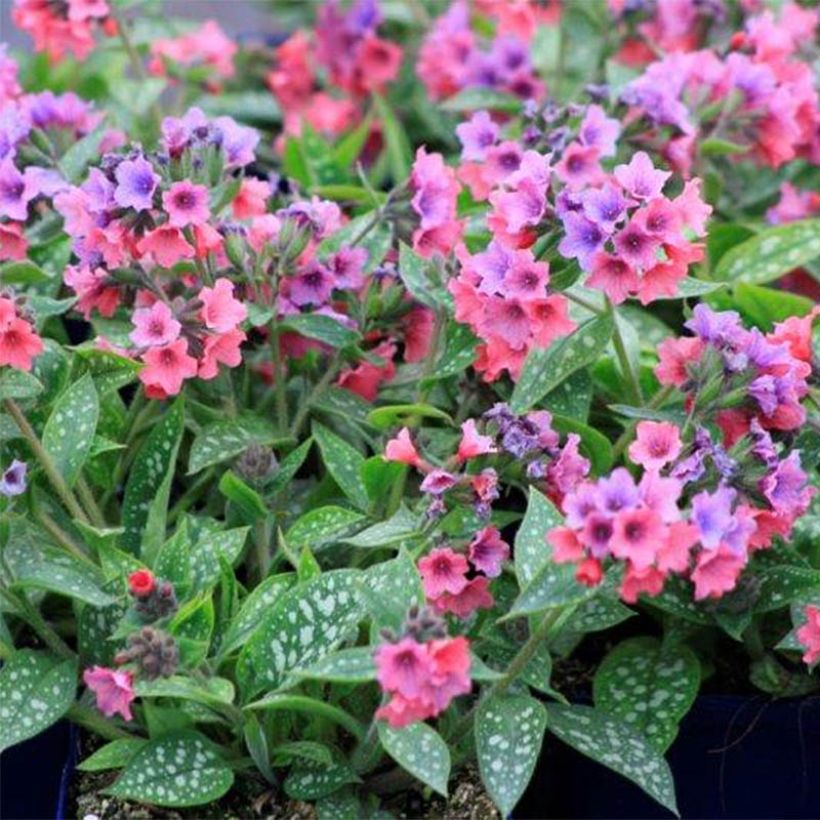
x: 141, y: 583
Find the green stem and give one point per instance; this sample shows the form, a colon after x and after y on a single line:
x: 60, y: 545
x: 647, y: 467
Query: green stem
x: 584, y: 303
x: 92, y: 720
x: 49, y: 467
x: 319, y: 388
x: 35, y: 620
x: 90, y: 503
x: 623, y: 358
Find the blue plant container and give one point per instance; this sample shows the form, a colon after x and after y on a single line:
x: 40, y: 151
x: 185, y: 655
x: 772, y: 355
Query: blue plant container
x: 734, y: 757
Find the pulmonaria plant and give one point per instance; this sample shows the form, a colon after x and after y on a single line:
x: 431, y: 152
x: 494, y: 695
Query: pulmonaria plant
x: 349, y: 407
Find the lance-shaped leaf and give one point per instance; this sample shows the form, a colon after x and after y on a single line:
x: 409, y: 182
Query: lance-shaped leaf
x: 343, y: 462
x: 420, y: 750
x: 354, y: 665
x: 224, y: 440
x: 509, y: 731
x: 532, y: 551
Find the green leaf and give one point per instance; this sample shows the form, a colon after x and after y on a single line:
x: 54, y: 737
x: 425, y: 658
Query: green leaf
x: 395, y: 415
x: 305, y: 624
x: 545, y: 368
x: 36, y: 689
x: 397, y: 145
x: 224, y: 440
x: 572, y: 398
x: 414, y: 271
x: 17, y: 384
x: 213, y: 691
x: 532, y: 552
x: 114, y: 755
x: 23, y: 272
x: 401, y: 526
x: 324, y: 328
x: 509, y: 731
x: 459, y: 353
x: 150, y: 477
x: 322, y: 526
x: 782, y: 585
x: 249, y: 502
x: 771, y: 253
x: 69, y: 431
x: 343, y: 462
x: 360, y: 231
x: 608, y: 741
x: 75, y: 161
x: 178, y: 769
x: 420, y: 750
x: 553, y: 585
x: 354, y: 665
x: 310, y: 780
x: 597, y: 614
x: 389, y: 589
x: 173, y: 562
x: 690, y: 288
x: 648, y: 687
x: 211, y: 545
x: 289, y: 466
x: 715, y: 147
x: 473, y: 99
x: 765, y: 306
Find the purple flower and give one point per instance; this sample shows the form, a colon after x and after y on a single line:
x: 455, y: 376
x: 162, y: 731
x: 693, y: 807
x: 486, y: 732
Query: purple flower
x: 785, y: 487
x: 596, y: 534
x: 136, y: 183
x: 579, y: 504
x: 492, y: 265
x: 581, y: 240
x: 312, y: 286
x: 477, y: 135
x: 437, y: 482
x: 238, y: 142
x: 606, y: 206
x: 637, y: 247
x: 99, y: 190
x: 13, y: 480
x: 618, y: 491
x: 16, y: 191
x: 599, y: 131
x: 764, y: 391
x: 720, y: 329
x: 712, y: 513
x: 347, y: 265
x: 763, y: 446
x: 640, y: 178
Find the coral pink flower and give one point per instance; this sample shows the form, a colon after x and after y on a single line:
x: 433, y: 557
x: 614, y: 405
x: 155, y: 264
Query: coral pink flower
x: 615, y: 277
x: 795, y: 332
x: 402, y: 449
x: 13, y: 244
x: 94, y: 289
x: 418, y: 327
x: 476, y: 595
x: 167, y: 367
x: 8, y: 312
x: 472, y: 443
x: 443, y: 571
x: 566, y: 548
x: 648, y: 581
x: 809, y: 635
x: 186, y: 204
x: 716, y: 572
x: 451, y: 668
x: 657, y: 443
x: 404, y: 667
x: 365, y: 378
x: 636, y: 535
x: 488, y: 551
x: 673, y: 555
x: 251, y: 199
x: 154, y: 326
x: 221, y: 312
x: 590, y: 573
x: 674, y: 356
x: 222, y: 348
x: 378, y: 62
x: 19, y: 344
x: 166, y: 245
x: 113, y: 689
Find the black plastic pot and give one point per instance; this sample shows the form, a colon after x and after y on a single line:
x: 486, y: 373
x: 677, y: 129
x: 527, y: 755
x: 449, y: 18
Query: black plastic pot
x: 36, y: 775
x: 733, y: 758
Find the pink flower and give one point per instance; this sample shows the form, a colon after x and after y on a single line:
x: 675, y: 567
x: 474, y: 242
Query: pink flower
x: 657, y: 443
x: 488, y: 551
x: 648, y: 581
x: 472, y: 443
x: 809, y: 635
x: 168, y: 366
x: 251, y: 199
x: 166, y: 245
x: 154, y: 326
x: 614, y: 276
x: 639, y: 178
x: 476, y: 595
x: 402, y: 449
x: 716, y: 572
x: 590, y: 572
x: 566, y: 548
x: 443, y: 571
x: 186, y: 204
x: 636, y: 535
x: 222, y: 348
x: 94, y: 289
x: 19, y: 344
x: 404, y: 667
x: 13, y: 243
x: 221, y: 312
x: 113, y: 689
x: 674, y: 357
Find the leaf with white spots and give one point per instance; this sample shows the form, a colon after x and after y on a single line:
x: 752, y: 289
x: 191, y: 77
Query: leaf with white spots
x: 178, y: 769
x: 608, y: 741
x: 399, y: 527
x: 253, y: 610
x: 214, y: 691
x: 354, y: 665
x: 770, y: 254
x: 344, y: 464
x: 649, y: 687
x: 597, y: 614
x: 33, y: 563
x: 389, y: 589
x: 18, y: 384
x: 69, y: 431
x: 532, y: 552
x: 553, y: 585
x: 323, y: 525
x: 341, y: 805
x: 209, y: 544
x: 114, y: 755
x: 545, y: 368
x: 36, y: 689
x: 149, y: 480
x: 783, y: 584
x: 420, y: 750
x: 509, y: 731
x: 305, y: 624
x: 224, y: 440
x: 310, y: 780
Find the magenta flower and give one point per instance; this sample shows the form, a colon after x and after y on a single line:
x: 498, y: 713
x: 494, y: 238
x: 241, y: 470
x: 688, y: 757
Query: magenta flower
x: 636, y: 536
x: 612, y: 275
x: 477, y: 135
x: 186, y: 204
x: 136, y: 183
x: 475, y: 595
x: 404, y: 667
x: 154, y: 326
x: 640, y: 178
x: 599, y: 131
x: 311, y: 286
x: 221, y: 312
x: 488, y: 551
x: 437, y: 482
x: 637, y: 247
x: 657, y: 443
x: 443, y: 571
x: 113, y: 689
x: 526, y: 279
x: 347, y: 266
x: 597, y: 533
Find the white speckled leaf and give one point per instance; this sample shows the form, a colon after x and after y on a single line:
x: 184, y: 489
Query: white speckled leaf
x: 208, y: 544
x: 545, y: 368
x: 355, y: 665
x: 310, y: 780
x: 781, y: 585
x: 155, y: 460
x: 114, y: 755
x: 344, y: 463
x: 341, y: 805
x: 648, y: 687
x: 178, y: 769
x: 223, y: 440
x: 69, y: 431
x: 553, y: 585
x: 322, y: 525
x: 390, y: 588
x: 608, y: 741
x: 532, y: 551
x: 307, y: 623
x: 36, y: 689
x: 420, y: 750
x: 509, y: 731
x: 402, y: 525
